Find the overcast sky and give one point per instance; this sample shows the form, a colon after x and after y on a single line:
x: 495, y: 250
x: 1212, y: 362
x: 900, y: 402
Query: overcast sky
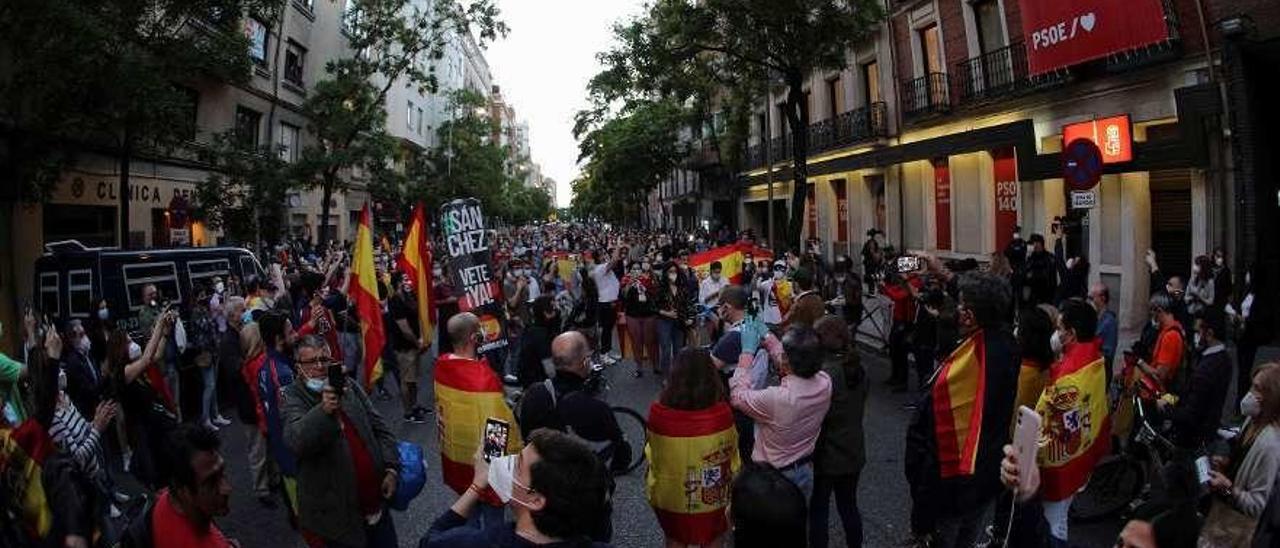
x: 543, y: 66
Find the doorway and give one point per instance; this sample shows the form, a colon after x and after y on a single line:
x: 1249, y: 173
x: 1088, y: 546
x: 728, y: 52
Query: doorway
x: 1171, y: 220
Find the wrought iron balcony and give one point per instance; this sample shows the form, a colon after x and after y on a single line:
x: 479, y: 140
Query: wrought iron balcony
x: 926, y: 95
x: 1000, y: 73
x: 847, y: 129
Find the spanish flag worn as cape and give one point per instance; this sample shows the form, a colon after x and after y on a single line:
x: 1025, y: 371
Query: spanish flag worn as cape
x: 1076, y: 429
x: 467, y: 393
x: 364, y: 291
x: 415, y: 261
x: 693, y: 458
x: 731, y: 259
x: 958, y: 394
x: 23, y: 451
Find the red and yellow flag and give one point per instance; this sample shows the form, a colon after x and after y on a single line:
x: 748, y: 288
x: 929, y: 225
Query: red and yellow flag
x: 364, y: 291
x: 23, y: 450
x: 1077, y: 425
x: 958, y: 395
x: 730, y: 258
x: 467, y: 393
x: 415, y: 261
x: 693, y: 457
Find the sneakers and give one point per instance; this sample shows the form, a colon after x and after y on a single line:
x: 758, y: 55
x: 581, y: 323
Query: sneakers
x: 221, y: 421
x: 208, y: 425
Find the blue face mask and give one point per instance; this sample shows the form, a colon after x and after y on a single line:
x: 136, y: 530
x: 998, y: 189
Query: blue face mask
x: 315, y: 385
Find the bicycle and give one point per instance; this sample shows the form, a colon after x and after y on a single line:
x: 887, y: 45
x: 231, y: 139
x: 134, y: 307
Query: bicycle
x: 635, y: 429
x: 1123, y: 480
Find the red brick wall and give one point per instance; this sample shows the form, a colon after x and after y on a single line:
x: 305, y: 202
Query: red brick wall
x: 954, y: 41
x: 901, y: 50
x: 1013, y: 19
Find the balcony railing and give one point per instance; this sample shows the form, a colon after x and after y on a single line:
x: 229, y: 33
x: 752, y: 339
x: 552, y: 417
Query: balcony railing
x: 928, y: 94
x: 847, y: 129
x: 1000, y: 73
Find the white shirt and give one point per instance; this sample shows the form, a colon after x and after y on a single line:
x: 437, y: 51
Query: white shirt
x: 770, y: 313
x: 606, y: 283
x: 709, y: 290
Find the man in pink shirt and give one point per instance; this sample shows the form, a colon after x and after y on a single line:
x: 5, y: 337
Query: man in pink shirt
x: 788, y: 416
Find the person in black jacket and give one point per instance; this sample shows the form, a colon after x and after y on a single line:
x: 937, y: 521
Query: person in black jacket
x: 840, y: 453
x: 953, y: 509
x: 1041, y: 272
x: 1197, y: 414
x: 535, y: 349
x: 564, y: 403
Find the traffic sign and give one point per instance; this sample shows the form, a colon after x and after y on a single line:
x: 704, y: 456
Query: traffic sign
x: 1081, y: 164
x: 1084, y: 199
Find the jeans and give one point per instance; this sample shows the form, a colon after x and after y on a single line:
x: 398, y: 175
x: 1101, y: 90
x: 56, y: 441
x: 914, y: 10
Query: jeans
x: 670, y: 341
x: 898, y: 349
x: 1055, y: 514
x: 607, y: 318
x: 261, y: 468
x: 802, y: 476
x: 961, y: 530
x: 209, y: 392
x: 845, y: 488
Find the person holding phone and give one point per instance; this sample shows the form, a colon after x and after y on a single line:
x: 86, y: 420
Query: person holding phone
x: 343, y: 447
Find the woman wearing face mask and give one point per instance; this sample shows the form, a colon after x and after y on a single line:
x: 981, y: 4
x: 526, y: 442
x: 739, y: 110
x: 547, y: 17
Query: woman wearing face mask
x: 1242, y: 482
x: 638, y: 305
x: 1253, y: 332
x: 1200, y: 291
x: 675, y: 313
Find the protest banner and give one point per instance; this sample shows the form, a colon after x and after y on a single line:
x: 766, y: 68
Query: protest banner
x: 466, y: 241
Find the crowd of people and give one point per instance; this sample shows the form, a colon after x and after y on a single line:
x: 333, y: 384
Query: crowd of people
x: 757, y: 426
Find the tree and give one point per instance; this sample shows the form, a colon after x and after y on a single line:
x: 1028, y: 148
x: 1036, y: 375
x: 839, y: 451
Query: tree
x: 628, y: 154
x: 678, y: 48
x: 84, y: 74
x: 245, y: 193
x: 393, y: 41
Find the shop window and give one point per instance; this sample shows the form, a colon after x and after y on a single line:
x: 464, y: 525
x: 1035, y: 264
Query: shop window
x: 80, y: 293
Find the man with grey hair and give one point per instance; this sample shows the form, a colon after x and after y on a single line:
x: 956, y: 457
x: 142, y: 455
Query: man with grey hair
x: 565, y: 402
x: 347, y: 462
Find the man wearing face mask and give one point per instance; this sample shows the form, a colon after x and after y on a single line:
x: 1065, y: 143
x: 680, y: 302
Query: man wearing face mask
x: 556, y: 489
x: 776, y: 294
x: 1075, y: 415
x: 347, y: 457
x: 84, y: 379
x: 1168, y: 343
x: 843, y: 292
x: 1198, y: 413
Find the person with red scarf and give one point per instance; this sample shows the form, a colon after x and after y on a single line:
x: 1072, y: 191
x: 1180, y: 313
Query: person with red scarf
x: 347, y: 462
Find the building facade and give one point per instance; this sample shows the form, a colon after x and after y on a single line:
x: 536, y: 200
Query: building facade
x: 946, y: 132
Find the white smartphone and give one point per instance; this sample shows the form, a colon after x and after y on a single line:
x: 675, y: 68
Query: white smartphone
x: 1202, y: 470
x: 1026, y: 439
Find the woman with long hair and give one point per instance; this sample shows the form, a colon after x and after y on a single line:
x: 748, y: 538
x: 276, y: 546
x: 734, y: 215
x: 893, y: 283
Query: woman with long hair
x: 638, y: 305
x: 144, y: 398
x: 675, y: 313
x: 1242, y: 482
x: 691, y: 428
x: 1200, y: 288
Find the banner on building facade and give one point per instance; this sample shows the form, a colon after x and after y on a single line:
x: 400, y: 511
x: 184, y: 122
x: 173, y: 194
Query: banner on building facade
x: 466, y: 240
x: 842, y: 210
x: 942, y: 202
x: 1061, y: 34
x: 1005, y: 168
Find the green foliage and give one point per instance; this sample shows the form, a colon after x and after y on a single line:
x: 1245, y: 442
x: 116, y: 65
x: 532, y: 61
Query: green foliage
x: 629, y: 154
x: 394, y: 42
x: 725, y: 51
x: 245, y: 194
x: 81, y: 74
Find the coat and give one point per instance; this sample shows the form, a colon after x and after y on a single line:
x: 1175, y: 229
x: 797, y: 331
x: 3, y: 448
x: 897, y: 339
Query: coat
x: 841, y: 449
x: 327, y: 499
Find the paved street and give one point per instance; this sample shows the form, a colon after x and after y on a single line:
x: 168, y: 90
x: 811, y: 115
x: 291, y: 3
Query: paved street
x: 882, y: 493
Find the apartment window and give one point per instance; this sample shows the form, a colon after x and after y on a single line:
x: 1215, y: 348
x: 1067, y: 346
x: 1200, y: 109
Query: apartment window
x: 419, y: 124
x: 294, y: 58
x: 256, y: 32
x: 782, y: 119
x: 871, y: 82
x: 247, y: 122
x: 834, y: 105
x: 764, y: 127
x: 192, y: 106
x: 408, y: 115
x: 289, y: 142
x: 986, y: 17
x: 931, y: 49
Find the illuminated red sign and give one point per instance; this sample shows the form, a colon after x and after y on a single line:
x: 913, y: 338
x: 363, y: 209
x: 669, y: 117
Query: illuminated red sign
x: 1113, y: 136
x: 1062, y: 33
x: 1005, y: 168
x: 942, y: 202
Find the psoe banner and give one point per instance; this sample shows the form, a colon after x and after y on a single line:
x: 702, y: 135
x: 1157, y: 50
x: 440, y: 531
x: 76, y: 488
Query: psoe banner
x: 466, y: 242
x: 1062, y: 33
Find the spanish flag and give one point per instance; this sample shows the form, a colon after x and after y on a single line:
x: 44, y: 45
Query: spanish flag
x: 415, y: 261
x: 693, y: 457
x: 1076, y: 429
x: 23, y: 451
x: 364, y: 291
x: 958, y: 395
x: 467, y: 393
x: 730, y: 258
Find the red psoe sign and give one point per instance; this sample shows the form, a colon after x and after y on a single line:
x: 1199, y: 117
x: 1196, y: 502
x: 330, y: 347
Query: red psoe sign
x: 942, y: 202
x: 1005, y: 168
x: 1061, y: 33
x: 1113, y: 136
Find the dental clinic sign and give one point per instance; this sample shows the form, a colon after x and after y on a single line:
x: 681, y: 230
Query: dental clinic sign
x: 1061, y: 33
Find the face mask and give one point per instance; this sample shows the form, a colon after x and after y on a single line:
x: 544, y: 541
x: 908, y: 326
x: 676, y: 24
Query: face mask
x: 437, y: 273
x: 840, y: 278
x: 103, y: 314
x: 1195, y: 269
x: 1218, y: 261
x: 218, y: 288
x: 502, y: 478
x: 315, y: 385
x: 153, y: 303
x: 778, y: 274
x: 715, y: 276
x: 1155, y: 322
x: 1017, y: 236
x: 1055, y: 342
x: 1250, y: 406
x: 62, y: 380
x: 84, y: 345
x: 1199, y: 341
x: 673, y: 277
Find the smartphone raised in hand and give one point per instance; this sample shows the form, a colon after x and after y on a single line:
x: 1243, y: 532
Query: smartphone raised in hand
x: 337, y: 379
x: 1026, y: 439
x: 907, y: 263
x: 496, y: 432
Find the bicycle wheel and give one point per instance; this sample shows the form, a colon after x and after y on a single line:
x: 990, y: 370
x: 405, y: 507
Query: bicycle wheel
x: 635, y: 431
x: 1114, y: 484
